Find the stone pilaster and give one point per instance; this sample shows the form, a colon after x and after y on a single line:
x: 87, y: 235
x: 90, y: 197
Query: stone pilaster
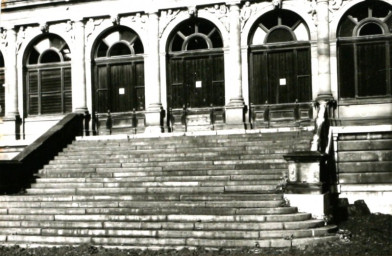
x: 79, y: 89
x: 233, y: 74
x: 323, y: 50
x: 11, y: 120
x: 154, y: 120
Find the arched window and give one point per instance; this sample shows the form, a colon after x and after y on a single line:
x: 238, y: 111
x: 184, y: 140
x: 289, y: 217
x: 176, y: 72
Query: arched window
x: 119, y: 71
x: 280, y: 63
x: 2, y: 88
x: 195, y: 65
x: 48, y: 76
x: 195, y: 35
x: 364, y: 51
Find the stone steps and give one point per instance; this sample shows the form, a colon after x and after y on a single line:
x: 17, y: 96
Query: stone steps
x: 159, y: 243
x: 170, y: 192
x: 157, y: 184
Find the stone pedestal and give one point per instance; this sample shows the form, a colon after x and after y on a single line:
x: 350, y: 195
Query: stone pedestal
x: 304, y: 172
x: 304, y: 188
x: 235, y: 116
x: 154, y: 119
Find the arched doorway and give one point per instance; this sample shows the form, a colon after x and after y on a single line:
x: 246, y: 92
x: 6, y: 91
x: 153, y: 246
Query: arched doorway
x: 2, y: 88
x: 48, y: 77
x: 364, y: 52
x: 280, y: 70
x: 195, y: 71
x: 119, y: 80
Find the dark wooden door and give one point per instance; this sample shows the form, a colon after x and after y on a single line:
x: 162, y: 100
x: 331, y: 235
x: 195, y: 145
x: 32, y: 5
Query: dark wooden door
x: 196, y: 81
x: 280, y: 76
x: 281, y: 81
x: 120, y: 87
x: 121, y: 81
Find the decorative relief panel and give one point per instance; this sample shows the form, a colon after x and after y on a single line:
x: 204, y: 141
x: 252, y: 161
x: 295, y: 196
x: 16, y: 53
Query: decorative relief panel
x: 166, y: 17
x: 3, y: 37
x: 221, y: 12
x: 69, y: 30
x: 138, y: 20
x: 20, y: 38
x: 91, y: 25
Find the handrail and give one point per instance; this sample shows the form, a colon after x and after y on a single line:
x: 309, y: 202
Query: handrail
x: 17, y: 173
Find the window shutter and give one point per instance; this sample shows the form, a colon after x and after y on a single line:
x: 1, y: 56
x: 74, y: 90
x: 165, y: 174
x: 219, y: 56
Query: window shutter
x: 33, y: 92
x: 371, y: 69
x: 67, y: 90
x: 51, y: 100
x: 346, y: 71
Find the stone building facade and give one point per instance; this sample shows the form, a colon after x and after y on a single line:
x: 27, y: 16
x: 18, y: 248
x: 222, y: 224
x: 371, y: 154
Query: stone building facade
x: 138, y: 66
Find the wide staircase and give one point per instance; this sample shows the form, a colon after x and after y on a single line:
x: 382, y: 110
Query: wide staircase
x: 217, y: 191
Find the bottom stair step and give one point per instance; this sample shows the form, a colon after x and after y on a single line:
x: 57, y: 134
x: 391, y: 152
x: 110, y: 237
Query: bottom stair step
x: 140, y: 242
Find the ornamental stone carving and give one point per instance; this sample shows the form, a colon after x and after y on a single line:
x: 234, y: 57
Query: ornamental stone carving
x: 138, y: 19
x: 44, y: 27
x: 277, y: 4
x: 20, y: 38
x: 220, y: 11
x: 246, y: 13
x: 166, y: 17
x: 335, y: 5
x: 90, y: 26
x: 3, y: 37
x: 115, y: 19
x: 69, y: 30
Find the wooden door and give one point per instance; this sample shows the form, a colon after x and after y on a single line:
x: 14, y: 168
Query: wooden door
x: 120, y: 87
x: 196, y: 81
x: 281, y: 81
x: 121, y: 81
x: 280, y: 76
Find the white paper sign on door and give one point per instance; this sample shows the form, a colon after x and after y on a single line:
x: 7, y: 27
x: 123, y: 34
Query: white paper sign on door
x: 198, y: 84
x: 121, y: 91
x: 282, y: 81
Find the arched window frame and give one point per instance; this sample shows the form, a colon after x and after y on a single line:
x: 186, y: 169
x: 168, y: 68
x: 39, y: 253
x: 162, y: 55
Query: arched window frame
x: 52, y: 49
x: 48, y: 84
x: 130, y: 44
x: 263, y: 79
x: 359, y: 76
x: 121, y: 42
x: 280, y: 24
x: 280, y: 27
x: 207, y: 37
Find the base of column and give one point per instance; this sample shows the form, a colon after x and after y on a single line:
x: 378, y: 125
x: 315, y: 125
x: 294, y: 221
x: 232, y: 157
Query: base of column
x: 235, y: 115
x: 317, y: 205
x: 11, y: 128
x: 81, y: 110
x: 324, y: 97
x: 154, y: 119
